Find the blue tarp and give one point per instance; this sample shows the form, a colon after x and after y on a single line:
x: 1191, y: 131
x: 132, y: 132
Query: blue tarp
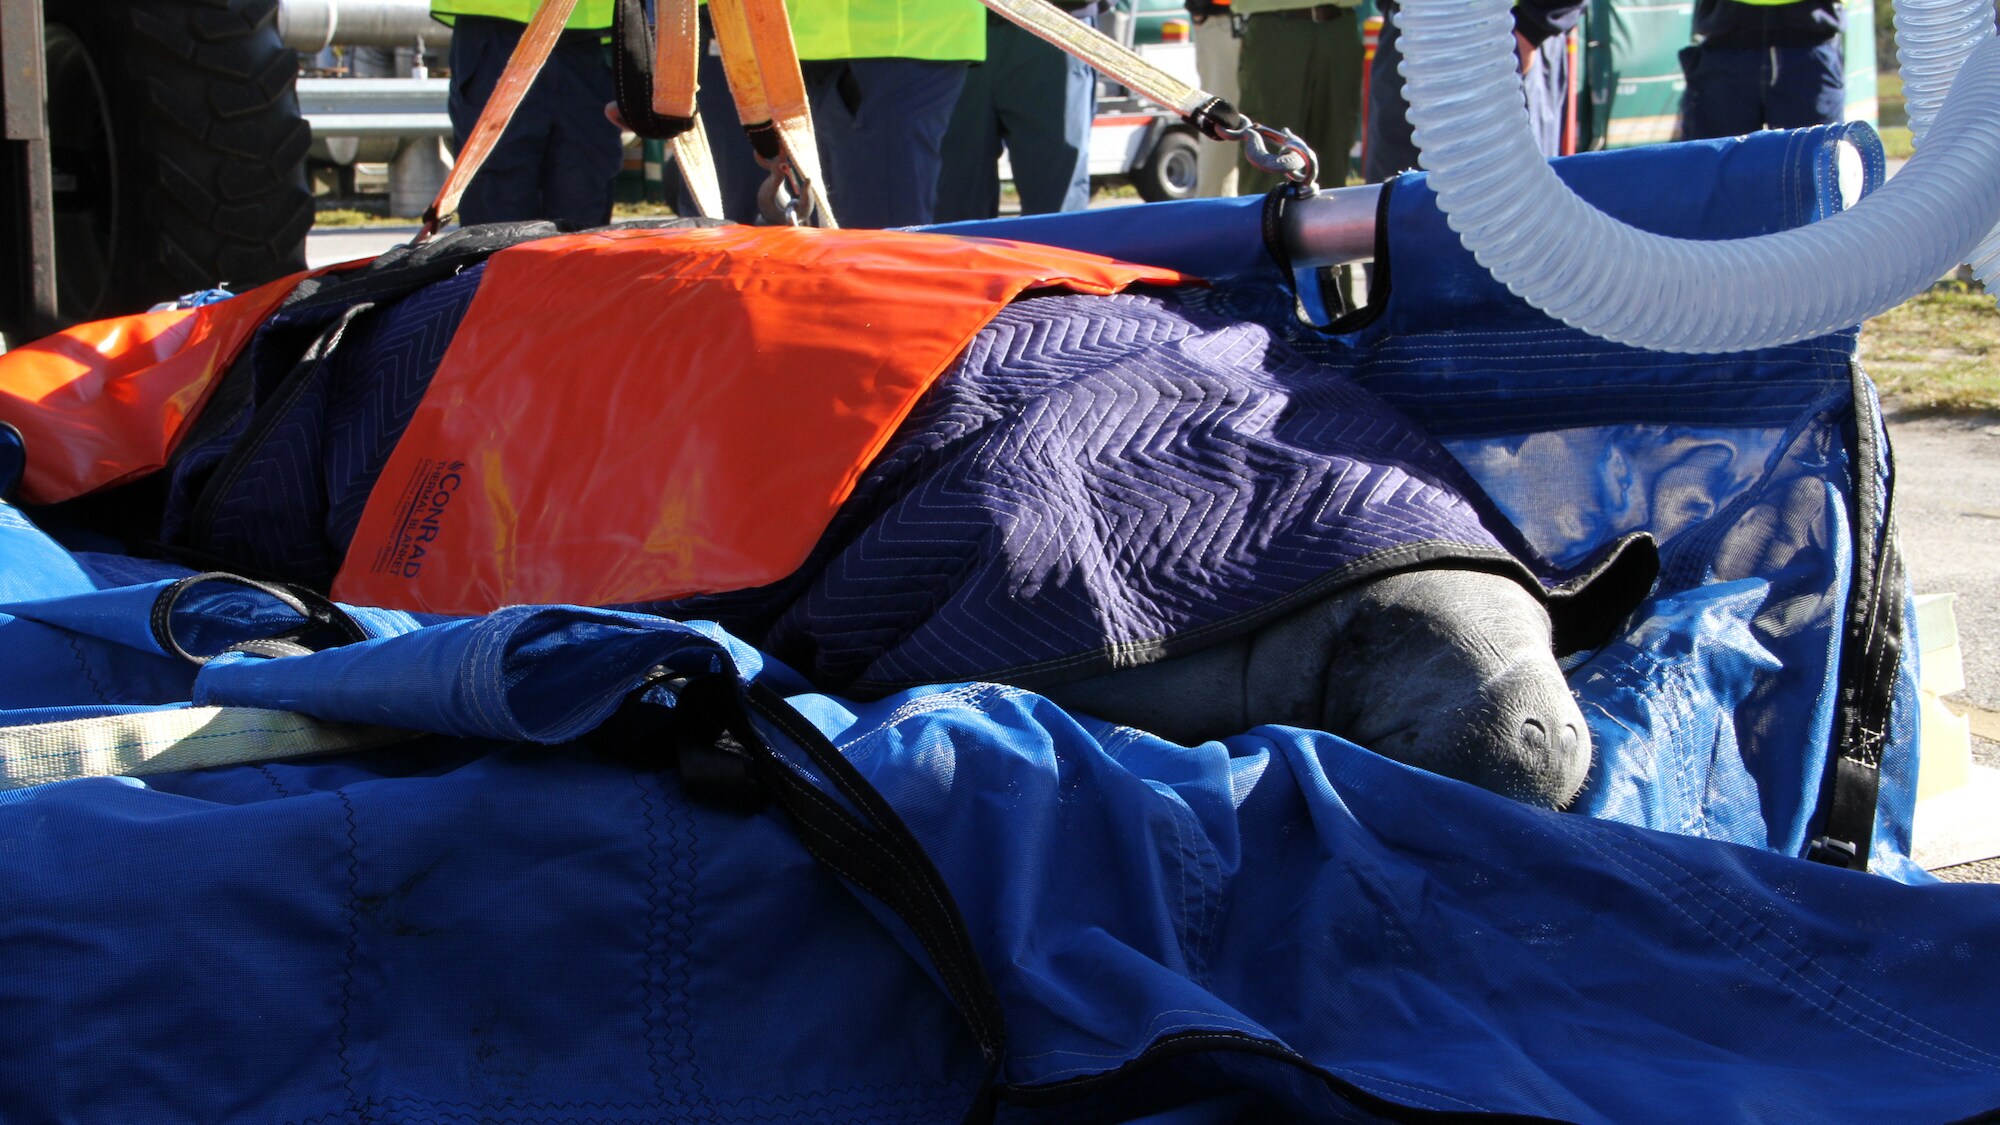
x: 481, y: 928
x: 499, y: 922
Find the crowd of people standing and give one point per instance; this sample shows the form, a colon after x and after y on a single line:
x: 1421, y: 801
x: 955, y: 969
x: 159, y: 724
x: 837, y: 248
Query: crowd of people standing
x: 914, y: 100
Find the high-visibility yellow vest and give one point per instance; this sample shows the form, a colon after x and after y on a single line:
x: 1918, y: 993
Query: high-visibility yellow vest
x: 589, y: 14
x: 939, y: 30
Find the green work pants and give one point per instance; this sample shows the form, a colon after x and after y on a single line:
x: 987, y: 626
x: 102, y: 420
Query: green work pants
x: 1304, y: 76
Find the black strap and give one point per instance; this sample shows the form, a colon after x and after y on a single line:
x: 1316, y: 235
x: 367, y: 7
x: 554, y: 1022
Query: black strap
x: 764, y: 140
x: 1217, y: 120
x: 1871, y: 650
x: 632, y: 74
x: 14, y: 465
x: 322, y: 624
x: 724, y: 759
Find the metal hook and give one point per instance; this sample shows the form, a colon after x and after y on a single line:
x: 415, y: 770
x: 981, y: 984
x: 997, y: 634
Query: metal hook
x: 785, y: 196
x: 1279, y: 152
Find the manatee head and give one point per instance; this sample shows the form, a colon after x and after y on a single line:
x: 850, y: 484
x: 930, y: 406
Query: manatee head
x: 1453, y: 671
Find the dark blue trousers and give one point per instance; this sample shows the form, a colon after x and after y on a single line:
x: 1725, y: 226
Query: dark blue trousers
x: 1390, y: 147
x: 880, y: 123
x: 1038, y: 102
x: 559, y: 155
x: 1737, y: 90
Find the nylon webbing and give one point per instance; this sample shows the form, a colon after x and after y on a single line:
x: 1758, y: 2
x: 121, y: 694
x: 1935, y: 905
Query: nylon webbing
x: 522, y: 67
x: 636, y: 78
x: 762, y: 65
x: 654, y: 70
x: 1871, y: 649
x: 676, y: 58
x: 1277, y: 151
x: 1104, y: 54
x: 150, y: 742
x: 724, y: 760
x: 697, y: 166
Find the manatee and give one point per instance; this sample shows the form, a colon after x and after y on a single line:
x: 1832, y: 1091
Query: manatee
x: 1450, y: 670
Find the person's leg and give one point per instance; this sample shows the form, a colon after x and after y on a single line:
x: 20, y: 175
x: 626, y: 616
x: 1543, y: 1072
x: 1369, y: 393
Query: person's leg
x: 1391, y: 147
x: 1546, y: 89
x: 1338, y: 130
x: 1303, y: 76
x: 1808, y: 86
x: 881, y: 132
x: 1215, y: 57
x: 1079, y: 110
x: 1045, y: 100
x: 583, y: 152
x: 1724, y: 95
x: 969, y: 178
x: 508, y: 186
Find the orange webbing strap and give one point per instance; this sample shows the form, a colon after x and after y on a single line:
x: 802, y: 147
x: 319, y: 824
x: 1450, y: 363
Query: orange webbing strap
x: 762, y: 64
x: 676, y: 63
x: 522, y: 67
x: 676, y: 58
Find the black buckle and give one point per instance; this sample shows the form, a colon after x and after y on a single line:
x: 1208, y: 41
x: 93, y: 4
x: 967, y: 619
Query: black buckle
x: 1835, y: 853
x: 703, y: 732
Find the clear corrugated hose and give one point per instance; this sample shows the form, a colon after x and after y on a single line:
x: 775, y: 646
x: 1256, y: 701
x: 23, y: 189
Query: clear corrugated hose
x: 1593, y: 272
x: 1933, y: 38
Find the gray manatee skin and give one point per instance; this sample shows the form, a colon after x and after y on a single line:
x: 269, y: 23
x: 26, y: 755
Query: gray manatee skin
x: 1452, y: 671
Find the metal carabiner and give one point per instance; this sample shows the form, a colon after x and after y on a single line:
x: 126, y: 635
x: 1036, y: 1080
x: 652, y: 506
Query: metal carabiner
x: 1279, y: 152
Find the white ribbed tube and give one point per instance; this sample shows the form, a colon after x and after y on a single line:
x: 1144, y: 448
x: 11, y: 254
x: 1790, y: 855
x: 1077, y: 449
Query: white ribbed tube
x: 1588, y: 270
x: 1933, y: 38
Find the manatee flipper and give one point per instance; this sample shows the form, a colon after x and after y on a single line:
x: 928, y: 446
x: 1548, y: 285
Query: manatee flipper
x: 1449, y: 670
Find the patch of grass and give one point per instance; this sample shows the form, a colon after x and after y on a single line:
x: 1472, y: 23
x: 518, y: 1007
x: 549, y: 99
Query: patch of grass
x: 1895, y: 130
x: 642, y: 210
x: 1938, y: 352
x: 360, y: 217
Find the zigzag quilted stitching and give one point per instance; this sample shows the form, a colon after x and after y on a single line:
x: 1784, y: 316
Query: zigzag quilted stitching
x: 292, y: 508
x: 377, y: 389
x: 1099, y: 474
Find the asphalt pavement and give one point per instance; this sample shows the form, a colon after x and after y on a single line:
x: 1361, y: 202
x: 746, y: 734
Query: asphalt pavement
x: 1948, y: 522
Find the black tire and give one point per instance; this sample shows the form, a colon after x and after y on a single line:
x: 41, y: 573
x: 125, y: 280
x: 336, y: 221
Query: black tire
x: 178, y: 150
x: 1171, y: 171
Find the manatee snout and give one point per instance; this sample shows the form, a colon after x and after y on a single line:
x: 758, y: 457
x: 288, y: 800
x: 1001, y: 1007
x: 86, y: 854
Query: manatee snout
x: 1450, y: 670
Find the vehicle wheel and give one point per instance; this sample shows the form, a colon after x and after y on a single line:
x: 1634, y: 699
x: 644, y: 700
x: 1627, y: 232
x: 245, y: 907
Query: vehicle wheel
x: 177, y: 150
x: 1171, y: 171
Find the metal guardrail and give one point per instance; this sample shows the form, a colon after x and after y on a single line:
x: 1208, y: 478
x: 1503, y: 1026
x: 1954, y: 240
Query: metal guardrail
x: 375, y: 107
x: 312, y: 25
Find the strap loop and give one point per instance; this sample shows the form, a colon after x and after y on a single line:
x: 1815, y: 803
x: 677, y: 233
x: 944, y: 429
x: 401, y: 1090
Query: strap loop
x: 323, y: 624
x: 633, y: 76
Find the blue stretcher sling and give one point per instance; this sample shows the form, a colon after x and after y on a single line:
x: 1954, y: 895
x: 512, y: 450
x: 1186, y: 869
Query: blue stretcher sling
x: 630, y: 868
